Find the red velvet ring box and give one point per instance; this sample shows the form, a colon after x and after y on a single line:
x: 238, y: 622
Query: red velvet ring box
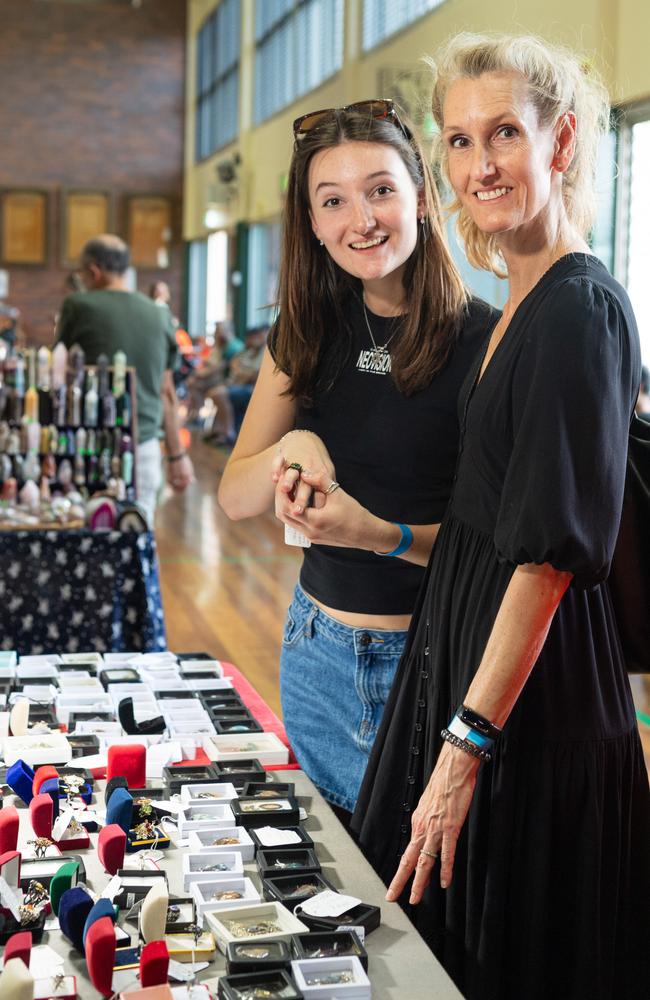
x: 100, y: 954
x: 9, y: 823
x: 41, y: 810
x: 10, y: 872
x: 44, y: 989
x: 42, y: 774
x: 111, y: 846
x: 19, y: 946
x: 130, y: 761
x: 154, y: 964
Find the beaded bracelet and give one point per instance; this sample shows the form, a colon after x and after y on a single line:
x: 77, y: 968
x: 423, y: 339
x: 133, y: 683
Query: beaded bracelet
x: 464, y: 745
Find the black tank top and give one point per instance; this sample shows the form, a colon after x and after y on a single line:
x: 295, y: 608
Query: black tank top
x: 395, y: 454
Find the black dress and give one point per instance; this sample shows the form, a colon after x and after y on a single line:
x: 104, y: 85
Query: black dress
x: 551, y: 882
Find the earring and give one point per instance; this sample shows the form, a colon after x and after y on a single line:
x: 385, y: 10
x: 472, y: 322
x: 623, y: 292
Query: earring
x: 321, y: 243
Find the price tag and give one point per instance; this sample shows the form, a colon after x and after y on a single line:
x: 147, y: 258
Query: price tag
x: 358, y: 930
x: 293, y: 537
x: 62, y: 823
x: 329, y: 904
x: 270, y: 836
x: 112, y: 889
x: 183, y: 972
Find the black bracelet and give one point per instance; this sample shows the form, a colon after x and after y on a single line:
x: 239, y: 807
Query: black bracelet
x: 176, y: 458
x: 478, y: 723
x: 468, y: 748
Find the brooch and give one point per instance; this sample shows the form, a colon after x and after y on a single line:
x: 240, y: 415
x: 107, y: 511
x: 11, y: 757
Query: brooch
x: 145, y: 831
x: 41, y: 845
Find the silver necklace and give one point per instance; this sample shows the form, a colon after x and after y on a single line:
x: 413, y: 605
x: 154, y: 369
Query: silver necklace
x: 377, y: 348
x: 378, y: 359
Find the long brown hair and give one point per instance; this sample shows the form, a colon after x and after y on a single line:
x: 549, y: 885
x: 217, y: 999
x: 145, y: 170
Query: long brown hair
x: 314, y: 290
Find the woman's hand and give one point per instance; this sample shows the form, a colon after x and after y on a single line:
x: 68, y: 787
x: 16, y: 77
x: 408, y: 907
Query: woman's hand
x: 436, y: 823
x: 306, y: 449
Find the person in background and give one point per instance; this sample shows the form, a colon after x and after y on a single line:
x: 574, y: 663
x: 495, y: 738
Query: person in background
x: 508, y: 778
x: 232, y: 398
x: 214, y: 370
x: 352, y: 431
x: 108, y: 318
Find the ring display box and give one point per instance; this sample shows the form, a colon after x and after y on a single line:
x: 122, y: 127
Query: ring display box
x: 41, y: 810
x: 74, y: 907
x: 254, y: 923
x: 181, y: 914
x: 10, y: 872
x: 195, y: 774
x: 281, y: 838
x: 267, y: 748
x: 41, y: 748
x: 271, y: 863
x: 154, y: 964
x: 271, y: 983
x: 9, y: 824
x: 100, y: 954
x: 329, y: 944
x: 240, y: 771
x: 83, y: 744
x: 224, y: 894
x: 111, y: 846
x: 60, y: 986
x: 135, y: 884
x: 268, y: 790
x: 207, y: 793
x: 364, y: 915
x: 127, y: 958
x: 187, y: 948
x: 257, y: 812
x: 44, y: 869
x: 292, y: 890
x: 19, y: 946
x: 128, y: 761
x: 246, y: 956
x: 65, y: 878
x: 137, y: 840
x: 331, y: 979
x: 153, y: 915
x: 229, y: 839
x: 119, y: 808
x: 102, y: 908
x: 206, y: 867
x: 205, y: 817
x: 237, y: 725
x: 20, y: 778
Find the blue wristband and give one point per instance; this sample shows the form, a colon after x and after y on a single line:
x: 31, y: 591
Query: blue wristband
x: 404, y: 543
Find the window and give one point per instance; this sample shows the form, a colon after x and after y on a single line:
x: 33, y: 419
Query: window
x: 263, y: 268
x: 637, y: 256
x: 217, y: 79
x: 382, y: 18
x: 299, y: 43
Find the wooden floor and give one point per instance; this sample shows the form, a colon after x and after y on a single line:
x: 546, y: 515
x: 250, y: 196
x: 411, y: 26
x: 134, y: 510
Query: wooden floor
x: 226, y: 585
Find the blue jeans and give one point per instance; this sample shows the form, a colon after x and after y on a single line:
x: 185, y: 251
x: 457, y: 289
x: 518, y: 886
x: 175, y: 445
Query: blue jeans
x: 334, y: 682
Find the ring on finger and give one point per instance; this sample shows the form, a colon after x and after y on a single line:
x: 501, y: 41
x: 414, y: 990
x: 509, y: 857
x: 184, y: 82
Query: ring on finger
x: 429, y: 854
x: 295, y: 465
x: 332, y: 486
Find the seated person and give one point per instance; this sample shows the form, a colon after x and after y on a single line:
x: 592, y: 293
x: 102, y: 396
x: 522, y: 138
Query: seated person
x: 232, y: 398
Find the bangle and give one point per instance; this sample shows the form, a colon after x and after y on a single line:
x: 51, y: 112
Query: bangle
x: 404, y: 543
x: 176, y: 458
x: 468, y: 748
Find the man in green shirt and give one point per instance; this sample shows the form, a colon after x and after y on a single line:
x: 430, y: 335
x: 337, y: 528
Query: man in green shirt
x: 109, y: 318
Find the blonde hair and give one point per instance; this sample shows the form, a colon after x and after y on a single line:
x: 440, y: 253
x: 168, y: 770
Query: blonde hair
x: 558, y: 83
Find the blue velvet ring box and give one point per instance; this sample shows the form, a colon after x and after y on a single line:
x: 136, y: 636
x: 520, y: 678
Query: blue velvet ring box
x: 20, y: 778
x: 120, y: 809
x: 51, y: 788
x: 74, y: 906
x: 102, y: 908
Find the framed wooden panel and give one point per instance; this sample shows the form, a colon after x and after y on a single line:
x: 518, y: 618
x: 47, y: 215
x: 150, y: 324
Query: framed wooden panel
x: 149, y: 230
x: 85, y: 214
x: 23, y: 238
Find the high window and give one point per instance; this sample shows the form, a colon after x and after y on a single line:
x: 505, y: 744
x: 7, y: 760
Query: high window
x: 217, y: 81
x: 382, y: 18
x: 298, y: 45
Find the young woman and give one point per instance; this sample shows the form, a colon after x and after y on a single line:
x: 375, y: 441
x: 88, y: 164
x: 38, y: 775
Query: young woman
x: 542, y: 889
x: 352, y: 429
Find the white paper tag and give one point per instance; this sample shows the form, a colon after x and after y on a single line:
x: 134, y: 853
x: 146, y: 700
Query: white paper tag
x: 270, y: 836
x: 329, y: 904
x: 112, y: 889
x: 182, y: 972
x: 42, y: 959
x: 169, y: 805
x: 303, y: 814
x: 61, y: 824
x: 51, y: 923
x: 11, y: 898
x: 293, y: 537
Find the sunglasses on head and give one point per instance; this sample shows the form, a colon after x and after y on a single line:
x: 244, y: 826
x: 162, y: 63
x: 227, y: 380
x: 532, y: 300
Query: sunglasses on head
x: 381, y: 108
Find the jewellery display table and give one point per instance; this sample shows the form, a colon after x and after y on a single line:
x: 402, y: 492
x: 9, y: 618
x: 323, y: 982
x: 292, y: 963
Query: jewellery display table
x: 400, y: 964
x: 80, y: 590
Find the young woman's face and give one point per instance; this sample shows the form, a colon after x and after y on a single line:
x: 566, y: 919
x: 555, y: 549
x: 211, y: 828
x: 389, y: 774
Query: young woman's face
x: 500, y: 159
x: 364, y: 207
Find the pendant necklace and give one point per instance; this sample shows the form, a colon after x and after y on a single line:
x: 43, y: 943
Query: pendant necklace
x: 377, y: 360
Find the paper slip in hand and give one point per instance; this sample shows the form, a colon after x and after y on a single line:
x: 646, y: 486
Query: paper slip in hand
x: 329, y: 904
x: 11, y: 898
x: 293, y: 537
x: 271, y: 836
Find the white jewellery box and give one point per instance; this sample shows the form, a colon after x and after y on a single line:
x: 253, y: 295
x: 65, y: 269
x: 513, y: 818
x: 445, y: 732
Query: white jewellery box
x: 224, y: 894
x: 210, y: 866
x: 253, y: 923
x: 231, y: 839
x: 266, y: 747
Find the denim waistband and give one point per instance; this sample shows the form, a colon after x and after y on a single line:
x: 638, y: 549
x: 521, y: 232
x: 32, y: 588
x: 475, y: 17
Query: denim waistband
x: 363, y: 639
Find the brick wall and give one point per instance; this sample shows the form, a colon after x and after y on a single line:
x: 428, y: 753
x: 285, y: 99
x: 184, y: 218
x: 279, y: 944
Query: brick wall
x: 92, y: 97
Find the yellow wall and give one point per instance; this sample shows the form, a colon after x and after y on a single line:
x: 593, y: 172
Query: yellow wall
x: 614, y: 33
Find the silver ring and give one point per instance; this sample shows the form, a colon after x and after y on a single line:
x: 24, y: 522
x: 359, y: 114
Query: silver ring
x: 429, y: 854
x: 332, y: 486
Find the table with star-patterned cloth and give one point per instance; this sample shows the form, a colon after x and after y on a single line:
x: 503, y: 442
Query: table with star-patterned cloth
x: 80, y: 590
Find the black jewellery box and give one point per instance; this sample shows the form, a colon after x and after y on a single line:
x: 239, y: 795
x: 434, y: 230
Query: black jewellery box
x: 233, y: 710
x: 225, y: 697
x: 253, y: 956
x: 181, y: 915
x: 119, y: 675
x: 293, y: 890
x: 239, y: 771
x: 272, y: 983
x: 136, y: 883
x: 254, y: 812
x: 239, y: 724
x: 189, y: 774
x: 272, y: 863
x: 147, y: 806
x: 43, y: 870
x: 364, y: 915
x: 304, y: 840
x: 268, y: 790
x: 329, y: 944
x: 89, y: 716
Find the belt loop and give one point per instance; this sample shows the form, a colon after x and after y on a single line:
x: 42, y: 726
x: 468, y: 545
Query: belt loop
x: 308, y: 630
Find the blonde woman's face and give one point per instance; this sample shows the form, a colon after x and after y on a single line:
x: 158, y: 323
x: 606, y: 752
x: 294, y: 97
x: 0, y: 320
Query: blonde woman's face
x: 500, y: 159
x: 364, y: 207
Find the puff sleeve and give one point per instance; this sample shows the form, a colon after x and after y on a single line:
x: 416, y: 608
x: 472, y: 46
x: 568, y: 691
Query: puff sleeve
x: 571, y: 408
